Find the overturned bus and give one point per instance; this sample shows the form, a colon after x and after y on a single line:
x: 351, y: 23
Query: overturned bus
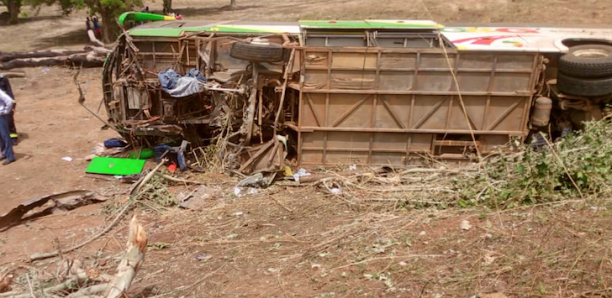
x: 374, y: 92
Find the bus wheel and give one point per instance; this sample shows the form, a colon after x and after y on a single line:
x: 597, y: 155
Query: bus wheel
x: 257, y: 52
x: 587, y: 61
x: 584, y: 86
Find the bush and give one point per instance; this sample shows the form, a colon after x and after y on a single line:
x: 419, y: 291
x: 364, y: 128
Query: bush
x: 577, y: 166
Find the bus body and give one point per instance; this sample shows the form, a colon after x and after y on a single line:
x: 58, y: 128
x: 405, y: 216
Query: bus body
x: 374, y: 92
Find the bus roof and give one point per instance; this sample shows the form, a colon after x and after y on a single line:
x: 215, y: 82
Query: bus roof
x: 464, y: 37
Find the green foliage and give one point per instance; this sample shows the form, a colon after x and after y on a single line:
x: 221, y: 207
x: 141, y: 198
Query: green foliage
x: 108, y: 10
x: 577, y: 166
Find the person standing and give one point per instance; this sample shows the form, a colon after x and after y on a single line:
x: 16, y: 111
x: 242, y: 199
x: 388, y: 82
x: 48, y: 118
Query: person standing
x: 5, y: 86
x: 6, y: 105
x: 96, y: 26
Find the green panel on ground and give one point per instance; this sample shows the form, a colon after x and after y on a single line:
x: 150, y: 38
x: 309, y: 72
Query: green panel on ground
x: 115, y: 166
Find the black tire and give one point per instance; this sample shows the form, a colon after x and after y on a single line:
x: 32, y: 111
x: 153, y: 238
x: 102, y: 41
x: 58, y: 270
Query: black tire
x: 257, y: 52
x: 588, y: 61
x: 584, y: 87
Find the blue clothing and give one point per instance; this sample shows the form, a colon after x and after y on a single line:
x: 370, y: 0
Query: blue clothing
x: 178, y: 86
x: 5, y: 139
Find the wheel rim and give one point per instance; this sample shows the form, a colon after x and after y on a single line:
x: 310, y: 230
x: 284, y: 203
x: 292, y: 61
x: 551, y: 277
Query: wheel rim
x: 591, y: 53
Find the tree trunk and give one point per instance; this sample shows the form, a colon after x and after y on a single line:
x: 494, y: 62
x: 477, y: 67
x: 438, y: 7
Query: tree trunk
x: 233, y: 4
x: 110, y: 29
x: 89, y: 59
x: 14, y: 8
x: 131, y: 261
x: 167, y: 6
x: 5, y: 57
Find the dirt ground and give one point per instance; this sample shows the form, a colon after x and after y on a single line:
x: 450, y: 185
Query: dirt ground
x: 289, y: 241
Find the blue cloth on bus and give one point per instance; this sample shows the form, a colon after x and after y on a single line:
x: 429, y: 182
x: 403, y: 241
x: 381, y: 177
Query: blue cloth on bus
x: 168, y: 79
x: 178, y: 86
x: 194, y: 73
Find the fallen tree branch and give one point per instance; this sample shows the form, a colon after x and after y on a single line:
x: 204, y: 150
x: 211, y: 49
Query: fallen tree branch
x: 87, y: 292
x: 178, y: 180
x: 5, y: 57
x: 138, y: 186
x: 66, y: 285
x: 13, y: 74
x: 89, y: 59
x: 93, y: 39
x: 131, y: 261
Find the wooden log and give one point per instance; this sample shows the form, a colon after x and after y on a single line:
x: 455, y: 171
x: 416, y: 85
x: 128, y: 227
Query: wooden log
x: 89, y: 59
x: 131, y: 261
x: 13, y: 74
x: 5, y: 57
x: 93, y: 39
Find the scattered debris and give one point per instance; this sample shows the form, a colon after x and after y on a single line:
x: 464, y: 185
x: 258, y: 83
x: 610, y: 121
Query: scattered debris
x: 48, y: 205
x: 300, y: 173
x: 114, y: 143
x: 492, y: 295
x: 198, y: 198
x: 257, y: 180
x: 5, y: 282
x: 465, y: 225
x: 336, y: 191
x: 67, y: 158
x: 91, y: 282
x: 241, y: 192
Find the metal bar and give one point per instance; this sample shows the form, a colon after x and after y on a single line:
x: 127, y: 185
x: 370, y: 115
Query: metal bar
x: 330, y: 61
x: 154, y: 56
x: 187, y: 50
x: 282, y: 99
x: 464, y: 70
x: 409, y: 122
x: 384, y: 50
x: 409, y: 92
x: 534, y: 77
x: 449, y: 112
x: 197, y: 48
x: 299, y: 127
x: 292, y: 103
x: 343, y: 149
x: 329, y: 68
x: 391, y: 112
x: 330, y: 58
x: 349, y: 111
x: 504, y: 115
x: 429, y: 113
x: 486, y: 111
x: 408, y: 145
x: 374, y: 100
x: 489, y: 89
x: 314, y: 112
x: 412, y: 130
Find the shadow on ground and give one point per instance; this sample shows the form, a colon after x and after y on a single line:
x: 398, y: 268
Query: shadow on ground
x: 195, y: 11
x: 75, y: 37
x: 4, y: 22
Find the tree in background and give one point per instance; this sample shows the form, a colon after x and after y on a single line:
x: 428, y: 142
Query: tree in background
x: 167, y: 6
x: 108, y: 10
x: 233, y: 4
x: 14, y: 8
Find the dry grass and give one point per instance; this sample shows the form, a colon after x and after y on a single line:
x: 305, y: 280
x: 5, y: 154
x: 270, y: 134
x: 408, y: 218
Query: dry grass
x: 326, y: 245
